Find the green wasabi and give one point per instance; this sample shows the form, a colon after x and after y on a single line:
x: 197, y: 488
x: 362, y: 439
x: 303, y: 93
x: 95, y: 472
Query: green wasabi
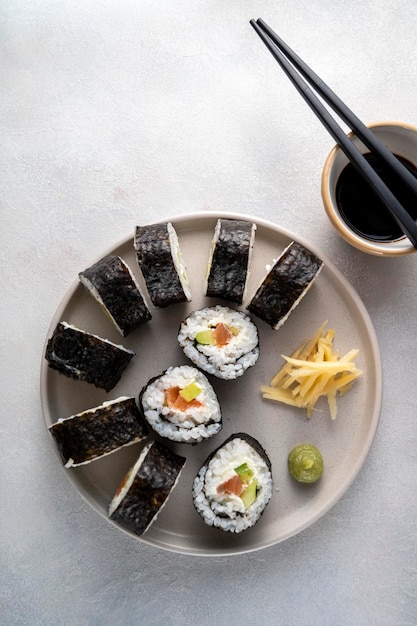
x: 305, y: 463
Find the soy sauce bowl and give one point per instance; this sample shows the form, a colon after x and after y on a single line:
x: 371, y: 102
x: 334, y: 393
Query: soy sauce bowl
x: 367, y: 229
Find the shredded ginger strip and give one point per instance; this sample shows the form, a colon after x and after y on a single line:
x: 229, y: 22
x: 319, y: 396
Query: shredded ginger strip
x: 312, y: 371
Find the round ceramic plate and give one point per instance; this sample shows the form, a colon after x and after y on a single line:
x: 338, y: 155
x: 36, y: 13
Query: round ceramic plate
x: 344, y: 443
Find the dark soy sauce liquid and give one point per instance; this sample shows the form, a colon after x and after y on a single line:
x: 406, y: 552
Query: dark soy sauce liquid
x: 362, y: 209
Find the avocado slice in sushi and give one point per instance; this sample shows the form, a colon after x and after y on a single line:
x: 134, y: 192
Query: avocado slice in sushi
x: 248, y: 497
x: 191, y: 391
x: 245, y: 473
x: 206, y: 337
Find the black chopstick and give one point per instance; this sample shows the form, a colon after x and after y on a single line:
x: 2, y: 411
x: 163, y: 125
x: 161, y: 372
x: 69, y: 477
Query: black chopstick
x: 281, y: 52
x: 348, y: 116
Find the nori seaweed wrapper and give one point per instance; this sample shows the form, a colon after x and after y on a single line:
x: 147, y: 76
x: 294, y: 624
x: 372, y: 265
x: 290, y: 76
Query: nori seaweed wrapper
x: 254, y: 443
x: 86, y: 357
x: 154, y: 256
x: 93, y: 433
x: 118, y: 291
x: 285, y: 284
x: 230, y: 260
x: 150, y: 488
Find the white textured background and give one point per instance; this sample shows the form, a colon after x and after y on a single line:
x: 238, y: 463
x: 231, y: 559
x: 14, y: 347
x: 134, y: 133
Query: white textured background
x: 117, y: 111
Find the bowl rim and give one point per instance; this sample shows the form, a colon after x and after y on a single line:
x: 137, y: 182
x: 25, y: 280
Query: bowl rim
x: 399, y: 247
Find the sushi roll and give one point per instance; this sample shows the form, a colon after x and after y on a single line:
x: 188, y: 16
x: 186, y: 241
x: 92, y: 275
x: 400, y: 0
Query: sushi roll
x: 181, y: 405
x: 82, y: 356
x: 234, y: 485
x: 94, y: 433
x: 228, y: 265
x: 113, y: 285
x: 160, y: 260
x: 146, y: 488
x: 219, y: 340
x: 285, y: 285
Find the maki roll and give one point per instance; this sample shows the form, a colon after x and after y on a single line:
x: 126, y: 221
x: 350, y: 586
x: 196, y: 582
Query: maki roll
x: 219, y: 340
x: 146, y: 488
x: 181, y: 405
x: 113, y: 285
x: 94, y: 433
x: 160, y: 260
x: 234, y: 485
x: 285, y: 285
x: 228, y: 265
x: 82, y: 356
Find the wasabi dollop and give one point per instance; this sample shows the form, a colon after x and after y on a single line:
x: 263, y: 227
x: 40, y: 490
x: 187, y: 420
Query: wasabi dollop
x: 305, y: 463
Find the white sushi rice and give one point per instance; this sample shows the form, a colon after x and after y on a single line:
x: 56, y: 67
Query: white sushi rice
x: 229, y: 361
x: 212, y: 248
x: 96, y: 295
x: 227, y: 511
x: 191, y: 425
x: 128, y: 480
x: 178, y: 260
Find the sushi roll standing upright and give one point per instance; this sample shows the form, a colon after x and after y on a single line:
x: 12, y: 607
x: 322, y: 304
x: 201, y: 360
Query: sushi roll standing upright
x: 221, y: 341
x: 228, y: 265
x: 287, y: 282
x: 160, y: 260
x: 83, y: 356
x: 234, y: 485
x: 181, y: 405
x: 111, y: 282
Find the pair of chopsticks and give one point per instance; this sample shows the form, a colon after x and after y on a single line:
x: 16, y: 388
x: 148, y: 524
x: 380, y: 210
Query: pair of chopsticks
x: 296, y: 69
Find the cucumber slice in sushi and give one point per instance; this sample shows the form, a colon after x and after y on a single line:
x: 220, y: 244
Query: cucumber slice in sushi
x: 94, y: 433
x: 181, y: 405
x: 83, y: 356
x: 228, y: 265
x: 220, y: 340
x: 146, y: 488
x: 234, y: 485
x: 285, y: 285
x: 160, y: 260
x: 111, y: 282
